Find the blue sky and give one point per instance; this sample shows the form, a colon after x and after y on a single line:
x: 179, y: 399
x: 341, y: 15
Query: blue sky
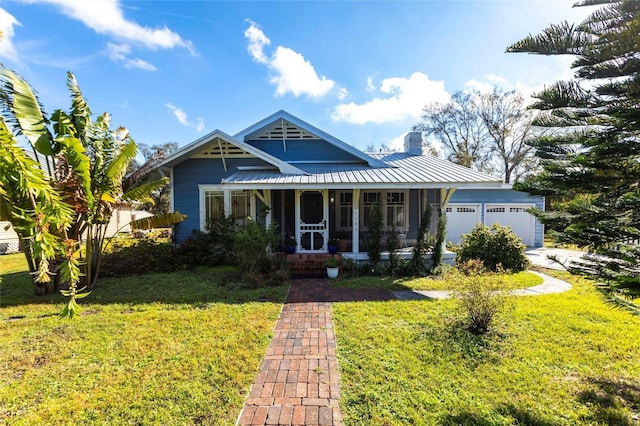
x: 172, y: 71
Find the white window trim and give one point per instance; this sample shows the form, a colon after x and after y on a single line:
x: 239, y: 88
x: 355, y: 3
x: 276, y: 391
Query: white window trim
x: 383, y: 194
x: 227, y: 202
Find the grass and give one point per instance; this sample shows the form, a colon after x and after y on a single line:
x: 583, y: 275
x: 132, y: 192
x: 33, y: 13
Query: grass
x: 554, y: 360
x: 511, y: 281
x: 175, y: 348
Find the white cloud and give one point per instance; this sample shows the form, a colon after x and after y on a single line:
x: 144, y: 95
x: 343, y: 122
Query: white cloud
x: 292, y: 73
x: 106, y: 17
x: 183, y: 118
x: 397, y: 143
x: 407, y: 97
x: 199, y: 124
x: 180, y: 114
x: 119, y: 53
x: 342, y: 93
x: 370, y: 85
x: 7, y: 22
x: 257, y: 41
x: 530, y: 83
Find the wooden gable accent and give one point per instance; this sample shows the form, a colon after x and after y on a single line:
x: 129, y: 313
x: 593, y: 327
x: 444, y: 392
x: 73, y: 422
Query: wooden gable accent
x: 219, y: 148
x: 280, y: 130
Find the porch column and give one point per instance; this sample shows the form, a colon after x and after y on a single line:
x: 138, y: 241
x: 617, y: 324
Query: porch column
x: 297, y: 216
x: 445, y: 196
x: 355, y: 217
x: 227, y: 202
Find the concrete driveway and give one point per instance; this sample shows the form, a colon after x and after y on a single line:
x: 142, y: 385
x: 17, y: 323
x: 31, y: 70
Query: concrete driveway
x: 540, y: 256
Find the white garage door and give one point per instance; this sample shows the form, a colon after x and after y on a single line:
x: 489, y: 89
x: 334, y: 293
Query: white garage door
x: 513, y: 215
x: 461, y: 218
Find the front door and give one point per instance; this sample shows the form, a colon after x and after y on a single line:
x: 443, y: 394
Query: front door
x: 312, y: 212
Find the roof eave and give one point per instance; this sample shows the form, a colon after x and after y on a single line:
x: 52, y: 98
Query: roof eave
x: 188, y: 150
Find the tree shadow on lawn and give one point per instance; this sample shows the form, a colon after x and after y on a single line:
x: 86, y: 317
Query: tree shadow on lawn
x: 197, y: 287
x: 611, y: 401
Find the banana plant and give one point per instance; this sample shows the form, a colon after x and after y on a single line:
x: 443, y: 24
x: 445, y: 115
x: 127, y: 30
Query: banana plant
x: 61, y: 197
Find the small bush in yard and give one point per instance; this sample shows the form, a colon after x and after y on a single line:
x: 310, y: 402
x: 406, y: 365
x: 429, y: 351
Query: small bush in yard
x: 481, y: 296
x: 497, y: 247
x: 252, y: 248
x: 214, y: 247
x: 143, y: 256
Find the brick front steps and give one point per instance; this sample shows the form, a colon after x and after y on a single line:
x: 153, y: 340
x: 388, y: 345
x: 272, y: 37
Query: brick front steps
x: 309, y: 265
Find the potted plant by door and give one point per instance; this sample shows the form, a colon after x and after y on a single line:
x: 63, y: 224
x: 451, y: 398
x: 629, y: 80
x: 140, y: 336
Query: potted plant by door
x: 333, y: 267
x: 332, y: 245
x: 290, y: 244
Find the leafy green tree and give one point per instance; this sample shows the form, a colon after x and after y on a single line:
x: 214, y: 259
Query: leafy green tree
x: 60, y: 198
x: 595, y: 155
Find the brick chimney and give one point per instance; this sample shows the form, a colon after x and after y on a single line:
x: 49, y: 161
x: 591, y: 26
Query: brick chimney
x: 413, y: 143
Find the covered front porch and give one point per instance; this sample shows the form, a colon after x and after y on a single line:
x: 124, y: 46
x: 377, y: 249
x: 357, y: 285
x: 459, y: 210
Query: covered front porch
x: 317, y: 218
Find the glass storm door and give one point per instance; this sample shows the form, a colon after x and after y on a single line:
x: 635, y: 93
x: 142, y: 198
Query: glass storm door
x: 312, y: 211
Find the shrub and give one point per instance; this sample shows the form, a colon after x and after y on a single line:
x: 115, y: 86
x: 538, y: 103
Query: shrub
x: 131, y: 257
x: 441, y: 232
x: 481, y: 296
x: 252, y: 248
x: 393, y: 244
x: 497, y: 247
x: 374, y: 236
x: 214, y: 247
x: 424, y: 243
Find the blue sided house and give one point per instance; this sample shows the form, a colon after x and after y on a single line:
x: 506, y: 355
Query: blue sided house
x: 314, y: 186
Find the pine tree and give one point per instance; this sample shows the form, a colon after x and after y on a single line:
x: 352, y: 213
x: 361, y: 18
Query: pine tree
x: 594, y: 155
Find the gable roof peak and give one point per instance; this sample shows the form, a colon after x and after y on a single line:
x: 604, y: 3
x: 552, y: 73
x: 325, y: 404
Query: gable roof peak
x: 310, y: 130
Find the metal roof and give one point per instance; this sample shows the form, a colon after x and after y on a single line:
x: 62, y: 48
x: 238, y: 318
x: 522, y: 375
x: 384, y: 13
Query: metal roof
x: 403, y: 170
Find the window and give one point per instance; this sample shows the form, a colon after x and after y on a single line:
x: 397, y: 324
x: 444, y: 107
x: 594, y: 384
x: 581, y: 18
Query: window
x: 369, y: 201
x: 395, y: 209
x: 345, y: 210
x: 393, y: 203
x: 213, y: 205
x: 240, y: 204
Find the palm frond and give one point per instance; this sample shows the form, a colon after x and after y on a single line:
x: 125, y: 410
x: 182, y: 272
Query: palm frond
x: 164, y: 220
x: 80, y: 111
x: 118, y: 165
x: 141, y: 192
x: 75, y: 155
x: 23, y: 103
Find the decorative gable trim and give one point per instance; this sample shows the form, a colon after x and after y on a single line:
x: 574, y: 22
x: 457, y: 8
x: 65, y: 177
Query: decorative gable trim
x: 280, y: 130
x: 283, y: 116
x: 222, y: 149
x: 208, y: 144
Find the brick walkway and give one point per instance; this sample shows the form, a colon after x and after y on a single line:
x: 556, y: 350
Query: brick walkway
x: 298, y: 383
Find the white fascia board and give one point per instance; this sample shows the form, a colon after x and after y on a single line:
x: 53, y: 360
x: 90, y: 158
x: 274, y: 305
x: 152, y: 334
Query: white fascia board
x: 373, y: 162
x: 188, y: 150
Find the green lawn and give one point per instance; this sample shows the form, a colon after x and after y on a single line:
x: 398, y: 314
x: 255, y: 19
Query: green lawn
x: 554, y: 360
x: 175, y: 348
x: 509, y: 281
x: 184, y: 348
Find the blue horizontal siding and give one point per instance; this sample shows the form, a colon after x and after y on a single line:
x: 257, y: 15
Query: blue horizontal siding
x: 200, y: 171
x: 304, y: 150
x: 502, y: 196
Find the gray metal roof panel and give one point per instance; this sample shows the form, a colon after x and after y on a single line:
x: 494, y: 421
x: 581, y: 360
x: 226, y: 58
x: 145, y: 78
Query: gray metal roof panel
x: 403, y: 169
